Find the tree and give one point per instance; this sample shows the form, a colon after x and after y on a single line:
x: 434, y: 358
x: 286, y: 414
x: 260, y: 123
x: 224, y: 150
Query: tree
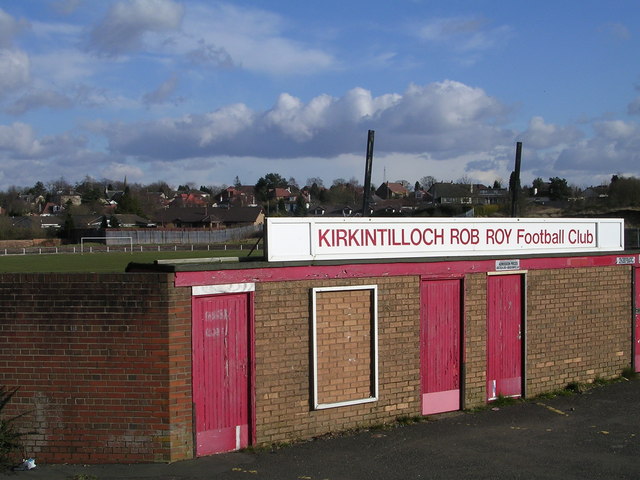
x: 38, y: 189
x: 315, y: 180
x: 301, y: 207
x: 497, y: 183
x: 404, y: 183
x: 68, y: 227
x: 427, y: 182
x: 236, y: 182
x: 267, y: 183
x: 624, y: 192
x: 129, y: 203
x: 538, y: 186
x: 91, y: 192
x: 558, y: 189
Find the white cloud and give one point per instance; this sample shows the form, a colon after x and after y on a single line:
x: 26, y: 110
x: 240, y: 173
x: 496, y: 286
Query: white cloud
x: 617, y: 30
x: 250, y: 38
x: 127, y: 21
x: 15, y: 68
x: 615, y: 146
x: 439, y: 117
x: 162, y: 93
x: 540, y: 135
x: 9, y: 28
x: 468, y: 36
x: 66, y: 7
x: 121, y: 170
x: 39, y: 99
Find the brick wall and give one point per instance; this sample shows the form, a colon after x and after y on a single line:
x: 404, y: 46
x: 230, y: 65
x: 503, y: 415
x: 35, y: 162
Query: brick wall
x: 283, y: 372
x: 104, y: 361
x: 579, y: 325
x: 103, y: 365
x: 578, y: 328
x: 475, y: 339
x: 344, y: 330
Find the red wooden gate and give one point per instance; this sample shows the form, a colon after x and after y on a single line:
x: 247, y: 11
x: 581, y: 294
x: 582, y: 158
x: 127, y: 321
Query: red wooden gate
x: 440, y: 337
x: 220, y: 373
x: 504, y: 336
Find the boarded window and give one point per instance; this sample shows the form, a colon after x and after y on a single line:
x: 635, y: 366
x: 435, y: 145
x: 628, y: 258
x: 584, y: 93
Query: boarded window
x: 345, y: 346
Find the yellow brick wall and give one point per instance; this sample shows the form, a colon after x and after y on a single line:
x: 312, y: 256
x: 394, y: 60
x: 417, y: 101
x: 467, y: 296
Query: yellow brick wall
x: 578, y: 325
x: 578, y: 328
x: 344, y: 333
x: 283, y: 353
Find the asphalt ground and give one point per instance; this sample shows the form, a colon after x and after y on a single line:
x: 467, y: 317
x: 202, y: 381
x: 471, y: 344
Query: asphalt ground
x: 590, y: 435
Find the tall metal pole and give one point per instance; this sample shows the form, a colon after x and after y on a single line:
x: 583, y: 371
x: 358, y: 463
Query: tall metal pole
x: 367, y: 174
x: 515, y: 181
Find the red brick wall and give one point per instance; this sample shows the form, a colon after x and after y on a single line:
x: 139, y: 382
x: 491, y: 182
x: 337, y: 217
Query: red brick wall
x: 103, y: 365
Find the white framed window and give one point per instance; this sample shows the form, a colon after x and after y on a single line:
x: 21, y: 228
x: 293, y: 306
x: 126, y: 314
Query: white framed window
x: 344, y: 345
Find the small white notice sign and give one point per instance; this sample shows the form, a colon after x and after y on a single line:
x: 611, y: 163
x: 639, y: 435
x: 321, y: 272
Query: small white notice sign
x: 504, y: 265
x: 625, y: 260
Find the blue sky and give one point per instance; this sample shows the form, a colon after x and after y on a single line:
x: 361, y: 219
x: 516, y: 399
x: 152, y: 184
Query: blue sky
x: 203, y: 91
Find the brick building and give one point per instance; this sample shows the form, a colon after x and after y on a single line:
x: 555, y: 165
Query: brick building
x: 171, y: 361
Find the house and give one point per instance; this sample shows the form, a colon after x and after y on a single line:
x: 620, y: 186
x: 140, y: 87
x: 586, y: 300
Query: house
x: 492, y: 196
x: 187, y: 217
x: 390, y: 190
x: 194, y: 198
x: 38, y: 221
x: 317, y: 211
x: 209, y: 217
x: 598, y: 193
x: 422, y: 196
x: 238, y: 216
x: 452, y: 193
x: 240, y: 196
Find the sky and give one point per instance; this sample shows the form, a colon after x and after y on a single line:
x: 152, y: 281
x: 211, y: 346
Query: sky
x: 201, y: 92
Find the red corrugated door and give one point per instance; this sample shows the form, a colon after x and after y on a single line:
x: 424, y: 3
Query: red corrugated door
x: 636, y: 323
x: 504, y: 336
x: 220, y: 373
x: 440, y: 312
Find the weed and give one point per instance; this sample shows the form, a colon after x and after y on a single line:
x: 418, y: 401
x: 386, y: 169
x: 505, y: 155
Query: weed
x: 410, y: 419
x: 83, y: 476
x: 629, y: 373
x: 9, y: 436
x: 503, y: 401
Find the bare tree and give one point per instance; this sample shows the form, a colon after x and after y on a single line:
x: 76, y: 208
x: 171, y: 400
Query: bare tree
x: 427, y: 182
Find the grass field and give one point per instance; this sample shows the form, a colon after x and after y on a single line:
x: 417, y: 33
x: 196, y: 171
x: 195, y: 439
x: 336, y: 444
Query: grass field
x: 99, y: 262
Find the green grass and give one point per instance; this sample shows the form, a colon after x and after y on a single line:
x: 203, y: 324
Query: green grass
x: 100, y: 262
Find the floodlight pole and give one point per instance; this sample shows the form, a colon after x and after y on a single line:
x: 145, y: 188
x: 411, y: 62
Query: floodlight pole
x: 367, y: 174
x: 515, y: 181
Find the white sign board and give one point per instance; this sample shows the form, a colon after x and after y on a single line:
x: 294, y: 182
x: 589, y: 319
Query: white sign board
x: 292, y: 239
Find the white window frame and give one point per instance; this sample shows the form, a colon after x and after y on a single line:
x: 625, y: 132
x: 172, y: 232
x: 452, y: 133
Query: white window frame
x: 374, y: 336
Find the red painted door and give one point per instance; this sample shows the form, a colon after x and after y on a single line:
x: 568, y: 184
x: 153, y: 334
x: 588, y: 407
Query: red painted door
x: 636, y: 323
x: 504, y: 336
x: 440, y: 312
x: 220, y: 373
